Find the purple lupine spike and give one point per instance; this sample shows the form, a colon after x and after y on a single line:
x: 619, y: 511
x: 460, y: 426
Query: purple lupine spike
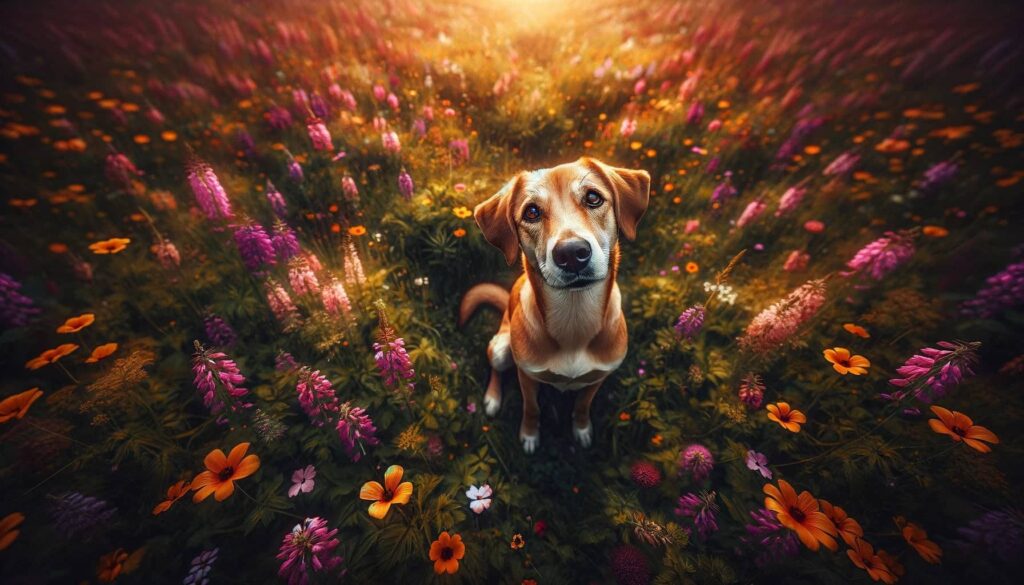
x: 319, y: 135
x: 276, y: 201
x: 405, y: 184
x: 200, y: 567
x: 391, y: 142
x: 769, y: 539
x: 208, y: 191
x: 286, y: 244
x: 790, y: 200
x: 218, y: 331
x: 696, y: 460
x: 392, y: 360
x: 295, y: 172
x: 319, y: 106
x: 883, y: 255
x: 255, y: 246
x: 16, y: 309
x: 309, y: 548
x: 219, y: 381
x: 724, y: 190
x: 938, y: 175
x: 753, y: 210
x: 932, y: 373
x: 690, y: 322
x: 278, y: 117
x: 702, y: 508
x: 997, y: 531
x: 166, y: 254
x: 842, y: 165
x: 317, y: 396
x: 78, y: 516
x: 1002, y: 291
x: 120, y: 170
x: 355, y: 430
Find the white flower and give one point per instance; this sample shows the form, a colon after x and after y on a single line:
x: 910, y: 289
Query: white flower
x: 479, y: 498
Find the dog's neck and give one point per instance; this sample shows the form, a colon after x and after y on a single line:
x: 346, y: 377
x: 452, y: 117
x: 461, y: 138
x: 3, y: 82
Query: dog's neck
x: 572, y: 318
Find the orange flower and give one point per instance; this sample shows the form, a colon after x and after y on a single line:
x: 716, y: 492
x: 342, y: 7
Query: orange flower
x: 848, y: 528
x: 111, y: 246
x: 891, y: 563
x: 863, y: 555
x: 111, y: 565
x: 844, y: 363
x: 789, y: 418
x: 222, y: 472
x: 16, y: 406
x: 459, y: 233
x: 517, y: 541
x: 856, y: 330
x: 174, y: 493
x: 692, y: 267
x: 960, y: 427
x: 357, y: 230
x: 51, y: 356
x: 918, y: 538
x: 76, y: 324
x: 462, y: 212
x: 394, y: 491
x: 101, y: 351
x: 8, y: 529
x: 801, y: 515
x: 446, y: 552
x: 934, y: 231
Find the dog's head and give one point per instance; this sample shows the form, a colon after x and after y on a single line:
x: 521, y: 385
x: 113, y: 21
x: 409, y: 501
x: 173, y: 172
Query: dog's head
x: 566, y: 219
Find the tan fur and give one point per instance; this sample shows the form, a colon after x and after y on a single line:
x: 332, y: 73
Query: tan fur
x: 570, y: 338
x: 486, y: 293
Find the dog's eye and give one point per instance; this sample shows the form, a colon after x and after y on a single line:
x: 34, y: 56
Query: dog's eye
x: 531, y: 213
x: 593, y: 198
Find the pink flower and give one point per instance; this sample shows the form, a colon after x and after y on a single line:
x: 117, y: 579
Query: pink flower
x: 796, y: 261
x: 627, y: 128
x: 774, y: 326
x: 790, y: 200
x: 310, y: 546
x: 319, y: 135
x: 479, y: 498
x: 302, y: 481
x: 814, y: 226
x: 391, y: 142
x: 692, y: 225
x: 758, y: 462
x: 753, y: 210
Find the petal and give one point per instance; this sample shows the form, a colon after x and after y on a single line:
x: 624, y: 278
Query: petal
x: 939, y: 427
x: 944, y: 415
x: 403, y: 493
x: 961, y: 420
x: 215, y: 461
x: 773, y: 411
x: 371, y: 490
x: 379, y: 510
x: 820, y: 521
x: 772, y: 491
x: 789, y: 497
x: 204, y: 479
x: 224, y: 491
x: 797, y: 417
x: 236, y: 455
x: 840, y: 368
x: 830, y: 355
x: 860, y: 361
x: 982, y: 434
x: 807, y: 537
x: 204, y: 492
x: 393, y: 477
x: 978, y: 445
x: 248, y: 467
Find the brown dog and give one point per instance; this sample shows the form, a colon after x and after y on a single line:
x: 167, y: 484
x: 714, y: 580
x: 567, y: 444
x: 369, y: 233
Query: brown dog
x: 563, y: 322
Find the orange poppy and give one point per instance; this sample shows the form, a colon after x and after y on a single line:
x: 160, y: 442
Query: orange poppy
x: 789, y: 418
x: 446, y: 552
x: 16, y: 406
x: 357, y: 230
x: 222, y: 472
x: 863, y: 556
x: 848, y: 528
x: 76, y: 324
x: 856, y: 330
x: 960, y: 427
x: 801, y: 515
x: 917, y: 537
x: 9, y: 529
x: 174, y: 493
x: 111, y: 246
x: 394, y: 491
x: 101, y: 352
x: 844, y: 363
x: 51, y: 356
x: 692, y: 267
x: 111, y: 565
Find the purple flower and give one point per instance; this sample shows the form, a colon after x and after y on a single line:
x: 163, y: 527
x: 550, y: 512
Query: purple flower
x: 120, y: 170
x: 697, y: 461
x: 932, y: 373
x: 278, y: 117
x: 285, y: 362
x: 16, y: 310
x: 276, y: 201
x: 998, y: 531
x: 286, y: 244
x: 842, y: 165
x: 1004, y: 290
x: 294, y: 169
x: 753, y: 210
x: 938, y: 175
x: 724, y: 190
x: 317, y: 396
x: 309, y: 547
x: 209, y: 193
x: 405, y: 185
x: 356, y: 430
x: 219, y: 381
x: 884, y: 255
x: 255, y: 246
x: 393, y: 361
x: 200, y: 567
x: 319, y: 106
x: 460, y: 151
x: 690, y: 322
x: 303, y: 481
x: 695, y: 113
x: 349, y: 188
x: 78, y: 516
x: 790, y: 200
x: 319, y: 135
x: 769, y: 539
x: 702, y: 508
x: 218, y: 331
x: 758, y: 462
x: 751, y: 391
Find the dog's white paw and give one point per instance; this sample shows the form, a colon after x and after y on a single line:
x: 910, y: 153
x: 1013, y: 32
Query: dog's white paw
x: 491, y: 405
x: 584, y: 436
x: 530, y: 442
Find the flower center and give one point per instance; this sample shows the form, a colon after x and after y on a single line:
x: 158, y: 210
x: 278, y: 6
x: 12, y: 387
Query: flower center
x: 959, y: 431
x: 388, y: 494
x: 226, y: 473
x: 447, y: 553
x: 797, y: 514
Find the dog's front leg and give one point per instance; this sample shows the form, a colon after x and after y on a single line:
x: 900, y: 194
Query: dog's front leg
x: 529, y: 429
x: 582, y: 428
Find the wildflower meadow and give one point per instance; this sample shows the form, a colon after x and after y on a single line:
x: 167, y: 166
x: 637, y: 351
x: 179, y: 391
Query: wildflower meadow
x: 234, y: 238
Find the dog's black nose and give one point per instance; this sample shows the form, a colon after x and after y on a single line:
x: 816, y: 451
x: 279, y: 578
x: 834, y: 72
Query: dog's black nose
x: 572, y: 255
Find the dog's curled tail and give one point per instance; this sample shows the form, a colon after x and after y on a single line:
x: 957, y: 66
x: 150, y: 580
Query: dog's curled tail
x: 488, y: 293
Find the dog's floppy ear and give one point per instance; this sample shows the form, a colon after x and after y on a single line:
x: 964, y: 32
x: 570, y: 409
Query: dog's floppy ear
x: 631, y: 191
x: 494, y: 216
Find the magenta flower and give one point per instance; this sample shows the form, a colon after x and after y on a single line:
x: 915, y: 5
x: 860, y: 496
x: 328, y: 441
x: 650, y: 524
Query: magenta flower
x: 219, y: 381
x: 278, y: 117
x: 882, y: 256
x: 405, y: 184
x: 280, y: 302
x: 309, y: 547
x: 16, y: 309
x: 769, y: 539
x: 695, y: 113
x: 460, y: 151
x: 751, y: 391
x: 317, y: 397
x: 276, y: 201
x: 932, y: 373
x: 319, y: 135
x: 937, y: 175
x: 753, y: 210
x: 393, y: 361
x: 1004, y: 290
x: 335, y: 298
x: 842, y: 165
x: 303, y: 481
x: 724, y: 190
x: 690, y: 322
x: 209, y: 193
x: 790, y: 200
x: 356, y: 431
x: 697, y: 461
x: 758, y: 462
x: 796, y: 261
x: 349, y: 188
x: 218, y: 331
x: 774, y: 326
x: 702, y: 508
x: 166, y: 254
x: 286, y: 244
x: 255, y: 246
x: 120, y: 170
x: 302, y: 278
